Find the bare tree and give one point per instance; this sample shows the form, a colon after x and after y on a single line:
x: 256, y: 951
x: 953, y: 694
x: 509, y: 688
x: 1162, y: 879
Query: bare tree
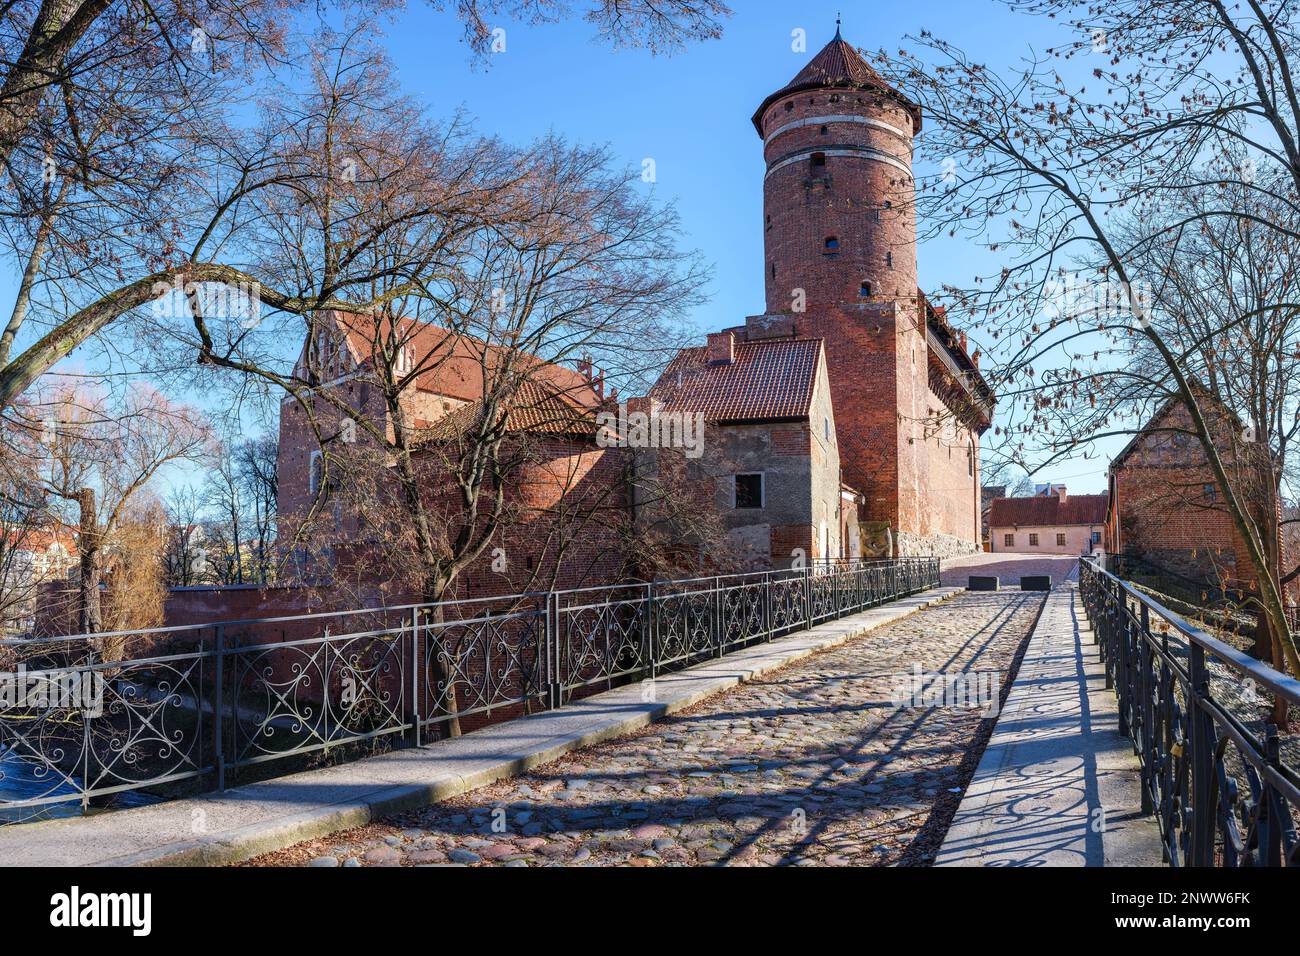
x: 98, y: 459
x: 1050, y: 164
x: 100, y: 98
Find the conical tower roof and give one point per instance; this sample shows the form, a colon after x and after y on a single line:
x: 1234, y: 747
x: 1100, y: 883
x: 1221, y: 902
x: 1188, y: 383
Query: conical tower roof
x: 838, y: 65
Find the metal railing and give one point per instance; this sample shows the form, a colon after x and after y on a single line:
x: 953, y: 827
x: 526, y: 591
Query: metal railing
x: 1215, y: 772
x: 185, y: 709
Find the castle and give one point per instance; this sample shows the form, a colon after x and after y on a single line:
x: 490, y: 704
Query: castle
x: 842, y: 422
x: 839, y: 227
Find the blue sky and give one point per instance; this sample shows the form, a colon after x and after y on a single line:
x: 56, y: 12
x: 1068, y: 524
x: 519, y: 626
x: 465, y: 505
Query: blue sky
x: 690, y: 113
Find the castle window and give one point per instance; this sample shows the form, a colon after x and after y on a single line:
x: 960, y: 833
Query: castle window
x: 789, y: 105
x: 1209, y: 491
x: 832, y: 244
x: 769, y: 222
x: 749, y: 491
x: 875, y: 215
x: 889, y: 260
x: 315, y: 472
x: 835, y: 97
x: 864, y: 289
x: 825, y: 130
x: 774, y: 270
x: 818, y: 163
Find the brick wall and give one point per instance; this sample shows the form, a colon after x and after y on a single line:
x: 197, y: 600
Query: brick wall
x: 1167, y: 509
x: 861, y: 298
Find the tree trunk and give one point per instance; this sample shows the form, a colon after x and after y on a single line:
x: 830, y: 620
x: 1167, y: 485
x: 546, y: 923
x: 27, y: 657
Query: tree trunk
x: 90, y: 617
x: 1270, y: 525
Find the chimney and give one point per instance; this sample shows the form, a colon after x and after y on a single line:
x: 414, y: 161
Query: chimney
x: 1060, y: 492
x: 643, y: 403
x: 722, y: 348
x: 598, y: 383
x: 584, y: 367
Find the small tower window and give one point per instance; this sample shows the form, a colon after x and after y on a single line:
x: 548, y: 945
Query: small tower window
x: 774, y: 270
x: 789, y: 105
x: 769, y: 222
x: 864, y: 290
x: 818, y: 163
x: 832, y: 244
x: 889, y: 259
x: 825, y: 130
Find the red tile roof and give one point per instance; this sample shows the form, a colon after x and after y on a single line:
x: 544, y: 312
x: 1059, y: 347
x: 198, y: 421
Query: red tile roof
x: 1046, y: 510
x: 771, y: 379
x: 838, y: 65
x: 534, y: 408
x: 456, y: 364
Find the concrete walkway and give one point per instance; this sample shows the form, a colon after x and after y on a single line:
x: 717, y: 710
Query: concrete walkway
x: 258, y: 818
x: 1057, y: 785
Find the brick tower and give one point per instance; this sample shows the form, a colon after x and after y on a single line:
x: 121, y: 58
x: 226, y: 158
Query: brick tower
x: 840, y: 264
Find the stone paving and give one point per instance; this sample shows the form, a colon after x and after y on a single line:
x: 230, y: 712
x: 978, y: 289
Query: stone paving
x: 812, y: 765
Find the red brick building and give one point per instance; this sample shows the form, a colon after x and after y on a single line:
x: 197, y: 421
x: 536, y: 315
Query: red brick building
x: 559, y: 477
x: 1054, y: 522
x: 769, y: 459
x: 1166, y: 522
x: 839, y: 227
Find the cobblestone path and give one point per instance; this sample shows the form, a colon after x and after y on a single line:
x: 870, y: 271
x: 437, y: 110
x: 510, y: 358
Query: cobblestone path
x: 811, y: 765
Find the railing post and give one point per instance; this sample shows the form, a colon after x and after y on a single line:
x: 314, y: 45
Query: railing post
x: 1200, y: 742
x: 767, y: 605
x: 1124, y: 665
x: 807, y: 592
x: 218, y: 708
x: 720, y: 615
x: 1145, y: 739
x: 650, y: 629
x: 415, y: 675
x: 554, y: 678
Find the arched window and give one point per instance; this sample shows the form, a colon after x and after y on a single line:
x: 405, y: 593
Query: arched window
x: 864, y: 289
x: 832, y: 244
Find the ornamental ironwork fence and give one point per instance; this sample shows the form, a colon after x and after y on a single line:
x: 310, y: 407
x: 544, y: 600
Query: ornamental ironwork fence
x: 99, y: 719
x: 1216, y: 772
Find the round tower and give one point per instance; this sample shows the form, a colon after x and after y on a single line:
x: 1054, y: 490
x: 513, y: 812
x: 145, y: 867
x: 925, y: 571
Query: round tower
x: 838, y: 214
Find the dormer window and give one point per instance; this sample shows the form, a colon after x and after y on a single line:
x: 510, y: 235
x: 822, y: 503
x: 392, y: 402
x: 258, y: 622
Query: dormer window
x: 404, y: 360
